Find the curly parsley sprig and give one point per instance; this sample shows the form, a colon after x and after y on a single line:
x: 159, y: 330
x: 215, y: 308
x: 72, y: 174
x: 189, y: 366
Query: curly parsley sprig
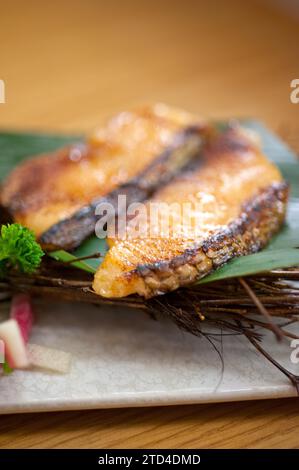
x: 19, y: 249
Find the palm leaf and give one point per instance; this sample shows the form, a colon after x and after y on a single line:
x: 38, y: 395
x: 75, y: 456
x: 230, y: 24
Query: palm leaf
x: 64, y: 256
x: 15, y: 147
x: 280, y: 253
x: 263, y: 261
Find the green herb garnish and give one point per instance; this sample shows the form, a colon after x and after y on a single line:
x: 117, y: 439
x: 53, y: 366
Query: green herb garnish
x: 6, y: 368
x: 19, y: 249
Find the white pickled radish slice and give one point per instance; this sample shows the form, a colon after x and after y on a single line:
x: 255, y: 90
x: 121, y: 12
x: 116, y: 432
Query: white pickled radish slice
x: 21, y: 311
x: 50, y: 359
x: 15, y: 348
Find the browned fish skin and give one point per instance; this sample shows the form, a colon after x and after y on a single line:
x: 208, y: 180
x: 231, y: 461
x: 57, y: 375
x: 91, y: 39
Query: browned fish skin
x: 250, y: 218
x: 260, y: 219
x: 55, y: 195
x: 70, y: 233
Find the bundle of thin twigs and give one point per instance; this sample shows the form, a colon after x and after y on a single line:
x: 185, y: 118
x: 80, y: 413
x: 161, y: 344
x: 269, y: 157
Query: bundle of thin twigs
x: 246, y: 306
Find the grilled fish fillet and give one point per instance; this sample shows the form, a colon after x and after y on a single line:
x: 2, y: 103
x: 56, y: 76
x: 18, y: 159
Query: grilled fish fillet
x: 239, y: 199
x: 55, y: 195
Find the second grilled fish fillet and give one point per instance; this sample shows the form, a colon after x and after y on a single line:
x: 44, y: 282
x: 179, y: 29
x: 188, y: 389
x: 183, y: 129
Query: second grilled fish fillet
x: 240, y: 203
x: 56, y: 195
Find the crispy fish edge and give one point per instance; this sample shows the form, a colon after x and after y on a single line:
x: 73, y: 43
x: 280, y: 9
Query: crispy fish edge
x: 69, y: 233
x: 260, y: 218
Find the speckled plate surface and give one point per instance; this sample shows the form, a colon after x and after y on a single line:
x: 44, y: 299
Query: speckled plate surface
x: 124, y: 358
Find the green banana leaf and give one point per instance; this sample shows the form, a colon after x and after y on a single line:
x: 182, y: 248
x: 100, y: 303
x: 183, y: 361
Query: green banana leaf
x: 280, y: 253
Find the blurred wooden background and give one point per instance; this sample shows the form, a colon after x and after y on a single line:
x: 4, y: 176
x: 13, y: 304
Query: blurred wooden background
x: 69, y: 64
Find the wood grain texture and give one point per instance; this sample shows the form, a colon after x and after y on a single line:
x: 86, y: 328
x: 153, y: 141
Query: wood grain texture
x: 69, y: 64
x: 271, y: 424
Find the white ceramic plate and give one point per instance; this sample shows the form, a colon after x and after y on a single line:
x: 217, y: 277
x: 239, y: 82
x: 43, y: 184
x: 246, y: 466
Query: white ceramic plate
x: 124, y: 358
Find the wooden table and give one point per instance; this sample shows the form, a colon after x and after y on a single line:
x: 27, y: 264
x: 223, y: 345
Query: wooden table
x: 69, y: 64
